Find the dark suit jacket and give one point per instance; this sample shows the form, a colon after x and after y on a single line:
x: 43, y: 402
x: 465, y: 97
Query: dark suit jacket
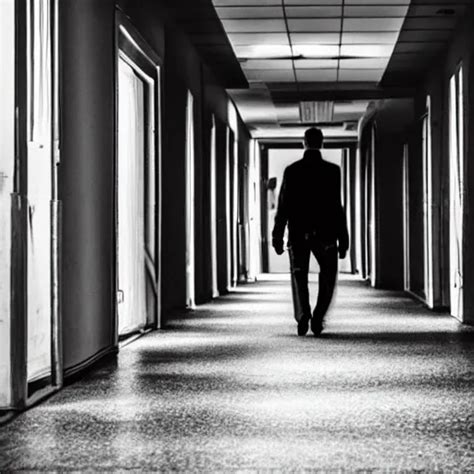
x: 310, y: 202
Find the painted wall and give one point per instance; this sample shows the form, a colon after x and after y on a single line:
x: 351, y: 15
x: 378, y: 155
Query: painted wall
x: 87, y: 38
x: 86, y: 178
x: 436, y: 84
x: 391, y: 119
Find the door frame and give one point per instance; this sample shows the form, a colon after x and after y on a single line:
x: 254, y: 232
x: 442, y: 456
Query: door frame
x: 131, y: 46
x: 24, y: 393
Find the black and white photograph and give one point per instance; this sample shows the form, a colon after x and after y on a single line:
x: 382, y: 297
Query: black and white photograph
x: 236, y: 236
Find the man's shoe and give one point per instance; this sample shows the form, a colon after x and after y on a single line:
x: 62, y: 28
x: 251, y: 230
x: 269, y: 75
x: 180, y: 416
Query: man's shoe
x: 316, y: 326
x: 303, y: 325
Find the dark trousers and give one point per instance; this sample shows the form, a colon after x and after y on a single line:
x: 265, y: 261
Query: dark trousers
x: 327, y: 258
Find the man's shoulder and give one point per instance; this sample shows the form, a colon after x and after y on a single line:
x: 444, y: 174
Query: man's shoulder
x: 330, y: 168
x: 295, y: 165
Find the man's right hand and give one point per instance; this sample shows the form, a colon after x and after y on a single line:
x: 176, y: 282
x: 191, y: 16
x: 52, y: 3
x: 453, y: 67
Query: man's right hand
x: 278, y: 246
x: 342, y: 253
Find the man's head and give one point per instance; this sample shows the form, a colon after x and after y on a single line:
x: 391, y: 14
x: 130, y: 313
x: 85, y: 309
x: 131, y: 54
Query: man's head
x: 313, y: 138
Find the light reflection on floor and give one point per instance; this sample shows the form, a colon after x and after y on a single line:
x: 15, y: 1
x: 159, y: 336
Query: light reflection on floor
x: 230, y: 386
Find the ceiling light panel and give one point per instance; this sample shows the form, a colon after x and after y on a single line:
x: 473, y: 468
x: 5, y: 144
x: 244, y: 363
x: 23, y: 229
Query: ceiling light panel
x: 378, y: 11
x: 316, y: 75
x: 254, y: 26
x: 316, y: 63
x: 267, y: 64
x: 367, y: 50
x: 316, y: 51
x: 250, y: 12
x: 314, y: 24
x: 315, y: 38
x: 360, y: 75
x: 314, y: 12
x: 377, y: 2
x: 238, y: 39
x: 370, y: 63
x: 378, y: 37
x: 314, y: 2
x: 373, y: 24
x: 263, y: 51
x: 240, y: 3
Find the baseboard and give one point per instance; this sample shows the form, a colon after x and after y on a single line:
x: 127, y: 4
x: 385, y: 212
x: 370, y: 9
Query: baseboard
x: 71, y: 374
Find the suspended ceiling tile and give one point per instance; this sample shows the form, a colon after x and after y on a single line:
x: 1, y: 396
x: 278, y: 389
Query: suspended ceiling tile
x: 314, y: 2
x: 379, y: 11
x: 238, y: 39
x: 316, y: 51
x: 316, y: 63
x: 250, y: 12
x: 367, y: 50
x: 373, y: 24
x: 274, y: 75
x: 314, y: 24
x: 377, y: 2
x: 267, y: 64
x: 377, y: 37
x: 315, y: 38
x: 263, y: 51
x: 368, y: 63
x: 314, y: 12
x: 360, y: 75
x: 237, y: 3
x: 254, y: 26
x: 316, y: 75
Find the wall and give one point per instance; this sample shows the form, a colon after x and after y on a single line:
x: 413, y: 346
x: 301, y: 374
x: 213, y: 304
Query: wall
x: 86, y: 178
x: 436, y: 84
x: 391, y: 119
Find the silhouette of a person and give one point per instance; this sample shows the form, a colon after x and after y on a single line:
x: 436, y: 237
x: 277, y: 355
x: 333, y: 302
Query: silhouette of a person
x: 310, y: 204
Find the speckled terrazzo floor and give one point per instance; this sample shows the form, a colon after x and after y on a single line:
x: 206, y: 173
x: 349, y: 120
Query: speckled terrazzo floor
x: 230, y: 386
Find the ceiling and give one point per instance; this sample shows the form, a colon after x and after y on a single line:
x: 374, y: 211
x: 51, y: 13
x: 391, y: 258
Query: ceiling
x: 348, y: 52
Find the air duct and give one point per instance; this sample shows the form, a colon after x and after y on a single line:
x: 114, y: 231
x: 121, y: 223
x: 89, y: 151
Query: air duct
x: 316, y: 112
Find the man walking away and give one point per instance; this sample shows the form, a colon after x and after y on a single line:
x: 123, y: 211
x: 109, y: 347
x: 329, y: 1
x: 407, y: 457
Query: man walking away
x: 310, y: 203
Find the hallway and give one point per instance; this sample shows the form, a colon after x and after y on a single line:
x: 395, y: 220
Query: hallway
x: 230, y: 385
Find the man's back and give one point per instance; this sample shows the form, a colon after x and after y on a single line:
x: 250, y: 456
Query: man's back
x: 310, y: 199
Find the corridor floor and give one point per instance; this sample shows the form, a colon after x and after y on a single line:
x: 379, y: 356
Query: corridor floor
x: 229, y: 386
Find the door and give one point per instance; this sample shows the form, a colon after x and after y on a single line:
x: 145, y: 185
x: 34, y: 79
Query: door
x: 428, y: 256
x: 190, y: 203
x: 456, y: 192
x: 7, y: 163
x: 131, y: 260
x: 42, y: 135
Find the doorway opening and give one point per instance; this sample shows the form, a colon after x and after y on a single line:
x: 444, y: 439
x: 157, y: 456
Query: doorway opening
x: 456, y: 192
x: 278, y: 159
x: 138, y: 185
x: 190, y: 203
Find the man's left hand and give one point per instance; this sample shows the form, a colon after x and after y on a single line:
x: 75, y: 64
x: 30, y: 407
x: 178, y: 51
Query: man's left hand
x: 278, y: 246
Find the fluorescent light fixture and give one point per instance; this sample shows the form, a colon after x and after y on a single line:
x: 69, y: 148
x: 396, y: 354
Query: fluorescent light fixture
x: 262, y: 51
x: 316, y: 50
x: 367, y: 50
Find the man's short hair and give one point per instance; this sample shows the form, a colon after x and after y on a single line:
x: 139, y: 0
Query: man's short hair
x: 313, y: 137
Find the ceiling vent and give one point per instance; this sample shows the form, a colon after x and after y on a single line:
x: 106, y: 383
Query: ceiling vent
x: 316, y: 112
